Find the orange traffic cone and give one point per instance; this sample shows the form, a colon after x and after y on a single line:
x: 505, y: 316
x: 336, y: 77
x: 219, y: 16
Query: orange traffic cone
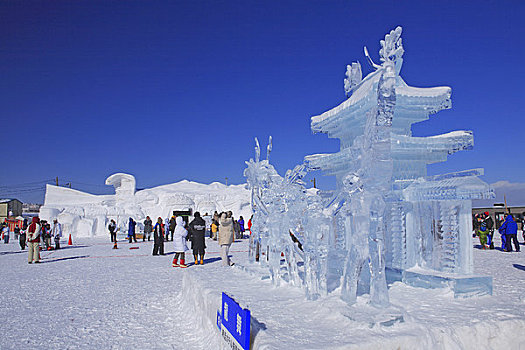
x: 70, y: 242
x: 115, y: 245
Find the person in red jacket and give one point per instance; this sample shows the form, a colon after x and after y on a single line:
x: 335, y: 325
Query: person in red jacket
x: 33, y: 238
x: 250, y: 224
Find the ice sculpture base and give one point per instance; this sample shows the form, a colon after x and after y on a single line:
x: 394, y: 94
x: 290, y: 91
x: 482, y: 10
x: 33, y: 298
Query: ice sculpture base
x: 371, y: 316
x: 463, y: 286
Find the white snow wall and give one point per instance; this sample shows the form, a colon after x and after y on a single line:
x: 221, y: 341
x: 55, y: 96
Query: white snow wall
x: 85, y: 215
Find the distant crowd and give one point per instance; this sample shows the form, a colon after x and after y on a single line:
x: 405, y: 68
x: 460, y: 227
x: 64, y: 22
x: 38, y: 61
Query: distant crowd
x: 38, y: 235
x: 483, y: 226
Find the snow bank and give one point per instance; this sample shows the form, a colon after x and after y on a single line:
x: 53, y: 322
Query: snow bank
x: 432, y: 319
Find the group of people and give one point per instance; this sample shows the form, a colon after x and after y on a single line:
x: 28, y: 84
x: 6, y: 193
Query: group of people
x: 484, y: 228
x: 221, y: 227
x: 238, y: 226
x: 37, y: 236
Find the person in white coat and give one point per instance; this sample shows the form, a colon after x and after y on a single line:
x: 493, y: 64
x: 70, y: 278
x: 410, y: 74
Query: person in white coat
x: 5, y: 233
x: 56, y: 233
x: 179, y: 238
x: 226, y: 237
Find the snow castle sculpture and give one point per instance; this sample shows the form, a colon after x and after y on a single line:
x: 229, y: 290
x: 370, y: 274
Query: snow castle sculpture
x: 85, y: 215
x: 387, y: 220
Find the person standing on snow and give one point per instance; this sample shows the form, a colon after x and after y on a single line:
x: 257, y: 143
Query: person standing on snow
x: 112, y: 227
x: 490, y: 227
x: 158, y: 238
x: 131, y: 230
x: 250, y: 224
x: 226, y: 237
x: 173, y: 224
x: 482, y: 232
x: 214, y: 228
x: 22, y: 240
x: 509, y: 229
x: 148, y: 227
x: 56, y: 232
x: 241, y: 224
x: 33, y: 238
x: 46, y: 235
x: 179, y: 238
x: 5, y: 233
x: 198, y: 228
x: 166, y: 228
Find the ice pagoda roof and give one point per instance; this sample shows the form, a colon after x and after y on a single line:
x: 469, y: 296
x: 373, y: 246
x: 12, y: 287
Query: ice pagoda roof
x: 423, y: 150
x: 413, y: 104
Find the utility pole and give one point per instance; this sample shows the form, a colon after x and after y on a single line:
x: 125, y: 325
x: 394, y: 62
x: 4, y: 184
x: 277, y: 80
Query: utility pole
x: 56, y: 180
x: 314, y: 182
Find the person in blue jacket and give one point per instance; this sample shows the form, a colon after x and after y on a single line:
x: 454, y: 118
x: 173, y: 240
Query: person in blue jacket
x: 131, y: 230
x: 509, y: 232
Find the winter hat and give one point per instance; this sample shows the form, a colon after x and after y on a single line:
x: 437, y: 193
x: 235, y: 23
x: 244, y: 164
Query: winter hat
x: 197, y: 214
x: 487, y: 213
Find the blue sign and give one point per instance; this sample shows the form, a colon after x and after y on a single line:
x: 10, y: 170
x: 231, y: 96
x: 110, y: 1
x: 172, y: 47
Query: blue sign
x: 235, y: 324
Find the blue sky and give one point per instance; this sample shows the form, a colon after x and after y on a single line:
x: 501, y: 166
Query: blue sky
x: 172, y: 90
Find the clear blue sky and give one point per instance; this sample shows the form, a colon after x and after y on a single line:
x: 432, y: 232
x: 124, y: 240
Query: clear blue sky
x: 172, y: 90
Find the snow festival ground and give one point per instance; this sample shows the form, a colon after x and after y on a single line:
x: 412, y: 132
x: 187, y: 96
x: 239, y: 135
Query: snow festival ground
x: 89, y: 296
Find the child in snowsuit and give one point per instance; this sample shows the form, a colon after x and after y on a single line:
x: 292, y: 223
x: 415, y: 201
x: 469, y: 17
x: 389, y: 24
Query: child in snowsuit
x: 482, y: 232
x: 179, y: 238
x: 214, y: 229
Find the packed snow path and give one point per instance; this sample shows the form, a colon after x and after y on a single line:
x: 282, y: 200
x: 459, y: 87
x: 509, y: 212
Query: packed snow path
x: 90, y: 296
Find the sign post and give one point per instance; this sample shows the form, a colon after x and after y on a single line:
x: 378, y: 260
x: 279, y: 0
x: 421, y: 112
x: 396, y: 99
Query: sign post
x: 234, y: 324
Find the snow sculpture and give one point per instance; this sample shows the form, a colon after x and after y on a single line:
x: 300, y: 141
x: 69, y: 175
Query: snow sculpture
x: 386, y: 213
x: 124, y: 185
x: 86, y: 215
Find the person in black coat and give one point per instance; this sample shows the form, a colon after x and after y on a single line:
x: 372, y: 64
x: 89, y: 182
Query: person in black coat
x: 158, y: 238
x: 22, y: 238
x: 148, y: 228
x: 490, y: 227
x: 197, y: 230
x: 171, y: 228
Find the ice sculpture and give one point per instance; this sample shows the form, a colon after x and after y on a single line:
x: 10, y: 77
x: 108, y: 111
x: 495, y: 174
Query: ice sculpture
x: 386, y: 214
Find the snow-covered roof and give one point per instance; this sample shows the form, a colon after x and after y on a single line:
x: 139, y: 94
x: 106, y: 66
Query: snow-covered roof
x: 7, y: 200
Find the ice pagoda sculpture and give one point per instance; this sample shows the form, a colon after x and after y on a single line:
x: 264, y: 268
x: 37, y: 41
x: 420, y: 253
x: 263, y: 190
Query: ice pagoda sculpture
x: 387, y: 220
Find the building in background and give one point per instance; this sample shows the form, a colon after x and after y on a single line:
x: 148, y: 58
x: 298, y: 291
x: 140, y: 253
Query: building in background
x: 10, y: 207
x: 30, y: 209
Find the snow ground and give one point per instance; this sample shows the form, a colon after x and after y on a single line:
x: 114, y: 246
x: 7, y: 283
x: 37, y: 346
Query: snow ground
x: 90, y: 296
